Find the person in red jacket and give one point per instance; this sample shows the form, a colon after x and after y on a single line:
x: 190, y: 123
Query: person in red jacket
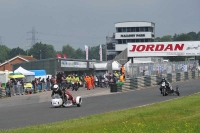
x: 69, y: 96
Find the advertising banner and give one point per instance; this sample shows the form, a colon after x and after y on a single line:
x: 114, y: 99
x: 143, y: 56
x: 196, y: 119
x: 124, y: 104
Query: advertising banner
x: 74, y: 64
x: 86, y: 52
x: 185, y: 48
x: 100, y: 52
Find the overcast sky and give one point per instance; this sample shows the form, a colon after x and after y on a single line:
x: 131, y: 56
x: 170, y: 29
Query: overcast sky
x: 88, y: 22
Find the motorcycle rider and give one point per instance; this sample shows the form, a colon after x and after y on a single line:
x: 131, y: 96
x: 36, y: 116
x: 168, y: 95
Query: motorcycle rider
x: 166, y: 84
x: 69, y: 96
x: 57, y: 90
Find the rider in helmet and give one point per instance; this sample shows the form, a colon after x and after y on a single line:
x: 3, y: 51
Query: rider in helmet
x: 166, y: 84
x: 57, y: 90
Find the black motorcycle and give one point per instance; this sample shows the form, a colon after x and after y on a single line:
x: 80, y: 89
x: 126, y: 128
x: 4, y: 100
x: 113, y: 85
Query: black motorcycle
x: 74, y: 86
x: 166, y: 89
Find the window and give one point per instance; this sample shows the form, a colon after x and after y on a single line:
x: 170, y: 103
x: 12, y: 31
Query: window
x: 137, y: 40
x: 132, y: 29
x: 146, y: 29
x: 141, y: 40
x: 119, y: 29
x: 146, y: 40
x: 119, y: 41
x: 141, y: 29
x: 128, y: 29
x: 132, y: 40
x: 137, y: 29
x: 128, y: 40
x: 123, y: 29
x: 124, y: 41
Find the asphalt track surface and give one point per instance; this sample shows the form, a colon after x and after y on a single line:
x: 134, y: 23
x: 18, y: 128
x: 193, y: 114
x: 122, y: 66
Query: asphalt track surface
x: 34, y: 109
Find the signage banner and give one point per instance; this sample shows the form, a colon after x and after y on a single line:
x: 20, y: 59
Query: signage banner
x: 86, y: 52
x: 185, y: 48
x: 100, y: 52
x: 74, y: 64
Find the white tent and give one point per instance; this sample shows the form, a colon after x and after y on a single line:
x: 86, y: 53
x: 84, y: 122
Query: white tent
x: 23, y: 71
x: 116, y: 65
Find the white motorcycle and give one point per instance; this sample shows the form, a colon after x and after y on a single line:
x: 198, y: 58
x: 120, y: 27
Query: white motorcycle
x: 57, y: 101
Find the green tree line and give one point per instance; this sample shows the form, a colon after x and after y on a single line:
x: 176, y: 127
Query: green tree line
x: 43, y: 51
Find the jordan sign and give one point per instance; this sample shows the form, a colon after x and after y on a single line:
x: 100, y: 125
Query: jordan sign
x: 186, y: 48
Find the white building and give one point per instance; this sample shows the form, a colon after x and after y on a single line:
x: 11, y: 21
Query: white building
x: 127, y: 32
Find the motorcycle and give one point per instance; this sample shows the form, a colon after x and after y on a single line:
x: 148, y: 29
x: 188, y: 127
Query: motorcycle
x: 168, y: 90
x: 74, y: 86
x: 102, y: 83
x: 57, y: 101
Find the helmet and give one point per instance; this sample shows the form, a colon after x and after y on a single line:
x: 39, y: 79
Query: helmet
x: 163, y: 78
x: 55, y: 87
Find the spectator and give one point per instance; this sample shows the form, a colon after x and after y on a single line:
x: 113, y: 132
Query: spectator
x: 8, y: 88
x: 34, y: 85
x: 42, y: 82
x: 48, y: 83
x: 19, y: 92
x: 22, y: 86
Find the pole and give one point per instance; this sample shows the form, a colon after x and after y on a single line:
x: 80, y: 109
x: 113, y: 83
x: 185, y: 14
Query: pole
x: 106, y: 52
x: 40, y: 54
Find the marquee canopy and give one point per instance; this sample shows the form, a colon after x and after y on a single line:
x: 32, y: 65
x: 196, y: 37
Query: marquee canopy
x: 23, y: 71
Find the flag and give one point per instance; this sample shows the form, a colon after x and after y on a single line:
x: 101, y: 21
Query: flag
x: 100, y: 52
x: 64, y: 56
x: 58, y: 55
x: 86, y: 52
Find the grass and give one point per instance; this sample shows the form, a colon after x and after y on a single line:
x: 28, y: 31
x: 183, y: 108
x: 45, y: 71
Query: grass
x: 180, y: 115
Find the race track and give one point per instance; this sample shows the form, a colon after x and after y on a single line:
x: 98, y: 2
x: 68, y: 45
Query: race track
x: 21, y: 111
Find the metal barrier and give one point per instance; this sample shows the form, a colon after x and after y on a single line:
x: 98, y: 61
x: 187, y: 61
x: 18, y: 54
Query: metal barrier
x: 1, y: 93
x: 145, y: 81
x: 144, y: 69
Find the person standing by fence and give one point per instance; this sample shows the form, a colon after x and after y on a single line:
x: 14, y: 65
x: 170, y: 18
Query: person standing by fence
x: 8, y: 88
x: 48, y: 83
x: 22, y: 86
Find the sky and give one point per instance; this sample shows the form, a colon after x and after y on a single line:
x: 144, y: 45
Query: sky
x: 88, y: 22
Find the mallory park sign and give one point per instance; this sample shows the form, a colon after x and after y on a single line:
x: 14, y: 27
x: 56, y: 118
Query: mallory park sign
x: 186, y: 48
x: 133, y: 35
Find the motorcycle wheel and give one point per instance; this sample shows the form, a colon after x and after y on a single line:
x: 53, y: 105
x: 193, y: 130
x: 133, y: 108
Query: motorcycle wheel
x: 177, y: 91
x: 164, y: 91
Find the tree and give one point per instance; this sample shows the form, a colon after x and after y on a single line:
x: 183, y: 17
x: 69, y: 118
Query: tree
x: 16, y: 51
x: 183, y: 37
x: 157, y: 39
x: 167, y: 38
x: 42, y: 51
x: 69, y: 51
x: 80, y: 54
x: 4, y: 53
x: 193, y: 35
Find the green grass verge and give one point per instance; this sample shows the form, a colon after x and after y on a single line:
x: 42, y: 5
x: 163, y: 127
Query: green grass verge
x: 181, y: 115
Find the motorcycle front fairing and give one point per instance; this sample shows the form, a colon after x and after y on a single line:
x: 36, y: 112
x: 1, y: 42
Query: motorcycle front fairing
x: 56, y: 100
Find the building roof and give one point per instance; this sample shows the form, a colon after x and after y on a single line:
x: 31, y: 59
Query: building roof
x: 23, y: 57
x: 134, y: 21
x: 29, y: 58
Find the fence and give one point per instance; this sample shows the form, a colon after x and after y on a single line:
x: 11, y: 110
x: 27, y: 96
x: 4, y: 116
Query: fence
x: 20, y: 90
x: 144, y: 69
x: 147, y: 81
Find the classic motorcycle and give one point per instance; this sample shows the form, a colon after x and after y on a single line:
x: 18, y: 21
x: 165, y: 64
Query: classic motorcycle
x: 57, y: 101
x: 167, y: 89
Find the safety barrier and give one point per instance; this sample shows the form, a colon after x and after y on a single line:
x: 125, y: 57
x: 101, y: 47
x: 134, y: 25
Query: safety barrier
x: 147, y: 81
x: 2, y: 92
